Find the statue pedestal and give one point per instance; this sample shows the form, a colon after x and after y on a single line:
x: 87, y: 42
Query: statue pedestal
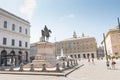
x: 45, y: 55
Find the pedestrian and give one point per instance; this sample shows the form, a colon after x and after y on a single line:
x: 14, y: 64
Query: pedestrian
x: 108, y: 66
x: 88, y: 59
x: 93, y: 60
x: 113, y: 64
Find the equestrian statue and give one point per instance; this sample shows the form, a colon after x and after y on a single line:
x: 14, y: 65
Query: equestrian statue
x: 45, y: 34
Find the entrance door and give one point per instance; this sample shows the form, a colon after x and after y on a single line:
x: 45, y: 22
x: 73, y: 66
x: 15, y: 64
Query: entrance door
x: 4, y: 57
x: 26, y: 56
x: 92, y: 55
x: 13, y: 57
x: 19, y: 57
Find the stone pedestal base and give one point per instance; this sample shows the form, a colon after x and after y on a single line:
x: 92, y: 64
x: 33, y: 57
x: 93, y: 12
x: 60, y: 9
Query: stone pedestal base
x: 45, y: 55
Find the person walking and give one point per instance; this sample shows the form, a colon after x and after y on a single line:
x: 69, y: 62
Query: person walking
x: 88, y: 59
x: 113, y: 64
x: 93, y: 60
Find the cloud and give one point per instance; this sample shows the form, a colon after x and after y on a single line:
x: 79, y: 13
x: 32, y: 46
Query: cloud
x: 70, y: 16
x: 28, y: 8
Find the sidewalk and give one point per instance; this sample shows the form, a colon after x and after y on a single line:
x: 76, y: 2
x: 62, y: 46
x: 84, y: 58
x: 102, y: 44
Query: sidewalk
x: 89, y: 71
x: 64, y: 73
x: 97, y: 71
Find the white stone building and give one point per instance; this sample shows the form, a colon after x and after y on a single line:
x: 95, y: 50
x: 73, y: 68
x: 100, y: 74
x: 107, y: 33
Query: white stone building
x: 14, y: 38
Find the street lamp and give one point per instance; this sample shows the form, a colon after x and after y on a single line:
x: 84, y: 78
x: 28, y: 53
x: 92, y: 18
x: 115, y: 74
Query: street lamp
x: 118, y: 23
x: 107, y: 61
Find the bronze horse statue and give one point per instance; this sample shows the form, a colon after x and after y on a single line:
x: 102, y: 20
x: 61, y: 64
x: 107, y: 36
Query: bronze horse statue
x: 45, y: 34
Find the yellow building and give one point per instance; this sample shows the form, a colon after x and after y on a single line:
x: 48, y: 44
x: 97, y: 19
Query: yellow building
x: 77, y: 47
x: 112, y: 39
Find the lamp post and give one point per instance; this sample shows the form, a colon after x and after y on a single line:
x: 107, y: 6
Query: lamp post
x: 107, y: 61
x: 118, y: 23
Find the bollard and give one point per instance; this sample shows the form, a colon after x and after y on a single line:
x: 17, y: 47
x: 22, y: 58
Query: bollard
x: 44, y: 67
x: 71, y: 63
x: 74, y: 62
x: 21, y: 67
x: 63, y: 65
x: 58, y: 67
x: 68, y: 64
x: 12, y: 67
x: 3, y: 67
x: 31, y: 67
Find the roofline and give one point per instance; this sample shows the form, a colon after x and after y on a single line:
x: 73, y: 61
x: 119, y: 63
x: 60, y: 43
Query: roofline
x: 110, y: 30
x: 14, y: 15
x: 79, y: 38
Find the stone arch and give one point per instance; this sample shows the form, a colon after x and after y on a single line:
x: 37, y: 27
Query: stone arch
x: 19, y: 57
x: 92, y: 55
x: 13, y: 57
x: 88, y: 55
x: 84, y: 56
x: 79, y: 56
x: 4, y: 57
x: 12, y: 53
x: 75, y: 56
x: 26, y: 53
x: 71, y: 56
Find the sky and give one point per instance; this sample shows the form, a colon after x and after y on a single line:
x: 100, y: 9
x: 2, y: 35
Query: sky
x: 63, y: 17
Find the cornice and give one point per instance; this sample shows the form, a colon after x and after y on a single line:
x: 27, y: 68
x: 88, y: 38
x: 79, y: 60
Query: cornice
x: 13, y: 15
x: 13, y: 32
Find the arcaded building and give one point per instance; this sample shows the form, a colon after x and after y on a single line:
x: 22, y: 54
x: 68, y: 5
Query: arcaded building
x: 14, y: 39
x: 77, y: 47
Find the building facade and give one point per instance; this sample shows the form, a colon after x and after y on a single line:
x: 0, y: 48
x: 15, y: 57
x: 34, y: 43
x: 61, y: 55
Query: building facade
x: 14, y: 38
x: 77, y: 47
x: 100, y: 52
x: 112, y: 39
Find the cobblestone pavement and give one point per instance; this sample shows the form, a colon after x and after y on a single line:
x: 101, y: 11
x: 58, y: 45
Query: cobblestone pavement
x: 89, y: 71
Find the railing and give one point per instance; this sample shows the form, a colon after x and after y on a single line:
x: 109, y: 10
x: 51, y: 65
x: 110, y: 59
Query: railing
x: 59, y: 67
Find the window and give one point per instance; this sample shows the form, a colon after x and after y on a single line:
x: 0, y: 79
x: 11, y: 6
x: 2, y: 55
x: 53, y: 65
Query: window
x: 26, y: 31
x: 20, y: 29
x: 13, y: 27
x: 4, y: 41
x: 84, y: 56
x: 26, y: 44
x: 71, y: 56
x: 92, y: 55
x: 13, y: 42
x: 5, y: 24
x: 20, y: 43
x: 79, y: 56
x: 75, y: 56
x: 116, y: 53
